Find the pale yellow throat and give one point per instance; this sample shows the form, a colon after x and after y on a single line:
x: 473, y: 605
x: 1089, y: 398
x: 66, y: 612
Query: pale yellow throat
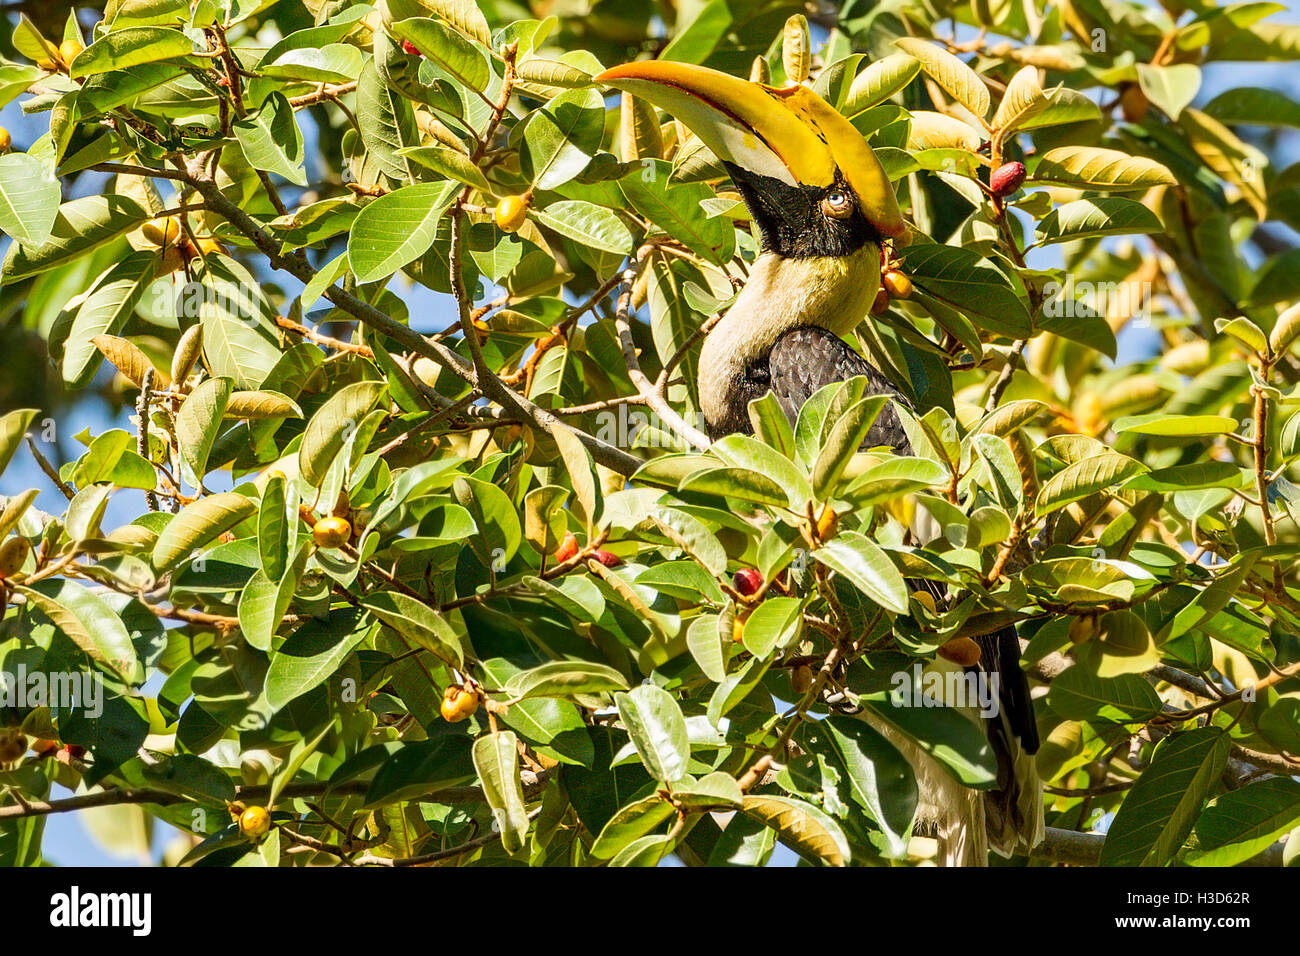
x: 834, y: 293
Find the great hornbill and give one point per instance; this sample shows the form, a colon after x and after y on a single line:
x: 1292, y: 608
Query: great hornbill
x: 824, y: 206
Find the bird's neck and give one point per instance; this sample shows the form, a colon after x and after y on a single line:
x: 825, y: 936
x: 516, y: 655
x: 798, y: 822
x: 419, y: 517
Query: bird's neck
x: 781, y: 294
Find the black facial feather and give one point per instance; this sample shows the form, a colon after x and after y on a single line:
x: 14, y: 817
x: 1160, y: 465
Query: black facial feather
x: 791, y: 221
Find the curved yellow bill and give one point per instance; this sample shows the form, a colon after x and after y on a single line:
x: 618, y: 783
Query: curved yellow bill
x: 790, y: 134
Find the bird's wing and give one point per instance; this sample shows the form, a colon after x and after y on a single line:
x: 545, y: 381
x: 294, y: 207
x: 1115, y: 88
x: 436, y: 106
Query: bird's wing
x: 805, y: 359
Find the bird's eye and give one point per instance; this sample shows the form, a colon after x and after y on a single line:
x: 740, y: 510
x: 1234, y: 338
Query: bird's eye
x: 837, y: 204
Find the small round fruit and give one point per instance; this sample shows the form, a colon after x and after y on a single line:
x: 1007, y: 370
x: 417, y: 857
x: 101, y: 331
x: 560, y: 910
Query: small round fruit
x: 511, y: 213
x: 748, y: 582
x: 827, y: 523
x: 332, y: 532
x: 962, y: 651
x: 1133, y: 103
x: 69, y: 49
x: 898, y: 285
x: 255, y: 823
x: 5, y: 140
x: 45, y: 748
x: 166, y: 233
x: 881, y: 304
x: 411, y: 48
x: 12, y: 746
x: 568, y: 547
x: 1082, y: 629
x: 458, y: 704
x: 608, y: 558
x: 801, y: 678
x: 738, y: 628
x: 13, y: 553
x: 1006, y: 179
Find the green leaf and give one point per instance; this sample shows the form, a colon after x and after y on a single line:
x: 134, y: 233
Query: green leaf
x: 1244, y: 331
x: 1001, y: 470
x: 414, y: 619
x: 109, y: 303
x: 29, y: 198
x: 1079, y: 695
x: 1242, y: 823
x: 458, y: 57
x: 332, y: 425
x: 1164, y: 424
x: 561, y: 137
x: 879, y: 81
x: 197, y: 524
x: 564, y: 679
x: 1158, y: 813
x: 675, y: 208
x: 387, y: 122
x: 1099, y: 216
x: 272, y: 141
x: 80, y: 226
x: 739, y: 483
x: 1172, y: 88
x: 312, y: 653
x: 587, y: 224
x: 496, y: 758
x: 869, y: 569
x: 880, y: 778
x: 1084, y: 478
x: 802, y: 827
x: 1101, y: 168
x: 197, y: 425
x: 131, y: 46
x: 90, y: 623
x: 240, y: 341
x: 958, y: 743
x: 262, y: 605
x: 698, y: 37
x: 397, y: 228
x: 1255, y: 106
x: 957, y: 79
x: 775, y: 623
x: 964, y: 280
x: 658, y: 730
x: 742, y: 451
x: 451, y: 163
x: 275, y: 528
x: 630, y: 823
x: 705, y: 643
x: 422, y: 768
x: 1199, y: 474
x: 841, y: 443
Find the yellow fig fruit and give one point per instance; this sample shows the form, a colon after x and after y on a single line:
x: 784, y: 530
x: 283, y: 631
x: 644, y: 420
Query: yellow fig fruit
x: 962, y: 651
x: 255, y: 823
x: 166, y: 233
x: 897, y: 284
x: 13, y: 554
x: 69, y: 49
x: 5, y: 140
x: 458, y: 704
x: 511, y: 213
x: 332, y: 532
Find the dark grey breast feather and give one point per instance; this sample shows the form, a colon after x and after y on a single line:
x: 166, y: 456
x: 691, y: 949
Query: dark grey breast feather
x: 809, y: 358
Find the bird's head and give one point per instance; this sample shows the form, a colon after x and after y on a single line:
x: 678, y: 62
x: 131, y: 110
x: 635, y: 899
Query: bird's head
x: 810, y: 180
